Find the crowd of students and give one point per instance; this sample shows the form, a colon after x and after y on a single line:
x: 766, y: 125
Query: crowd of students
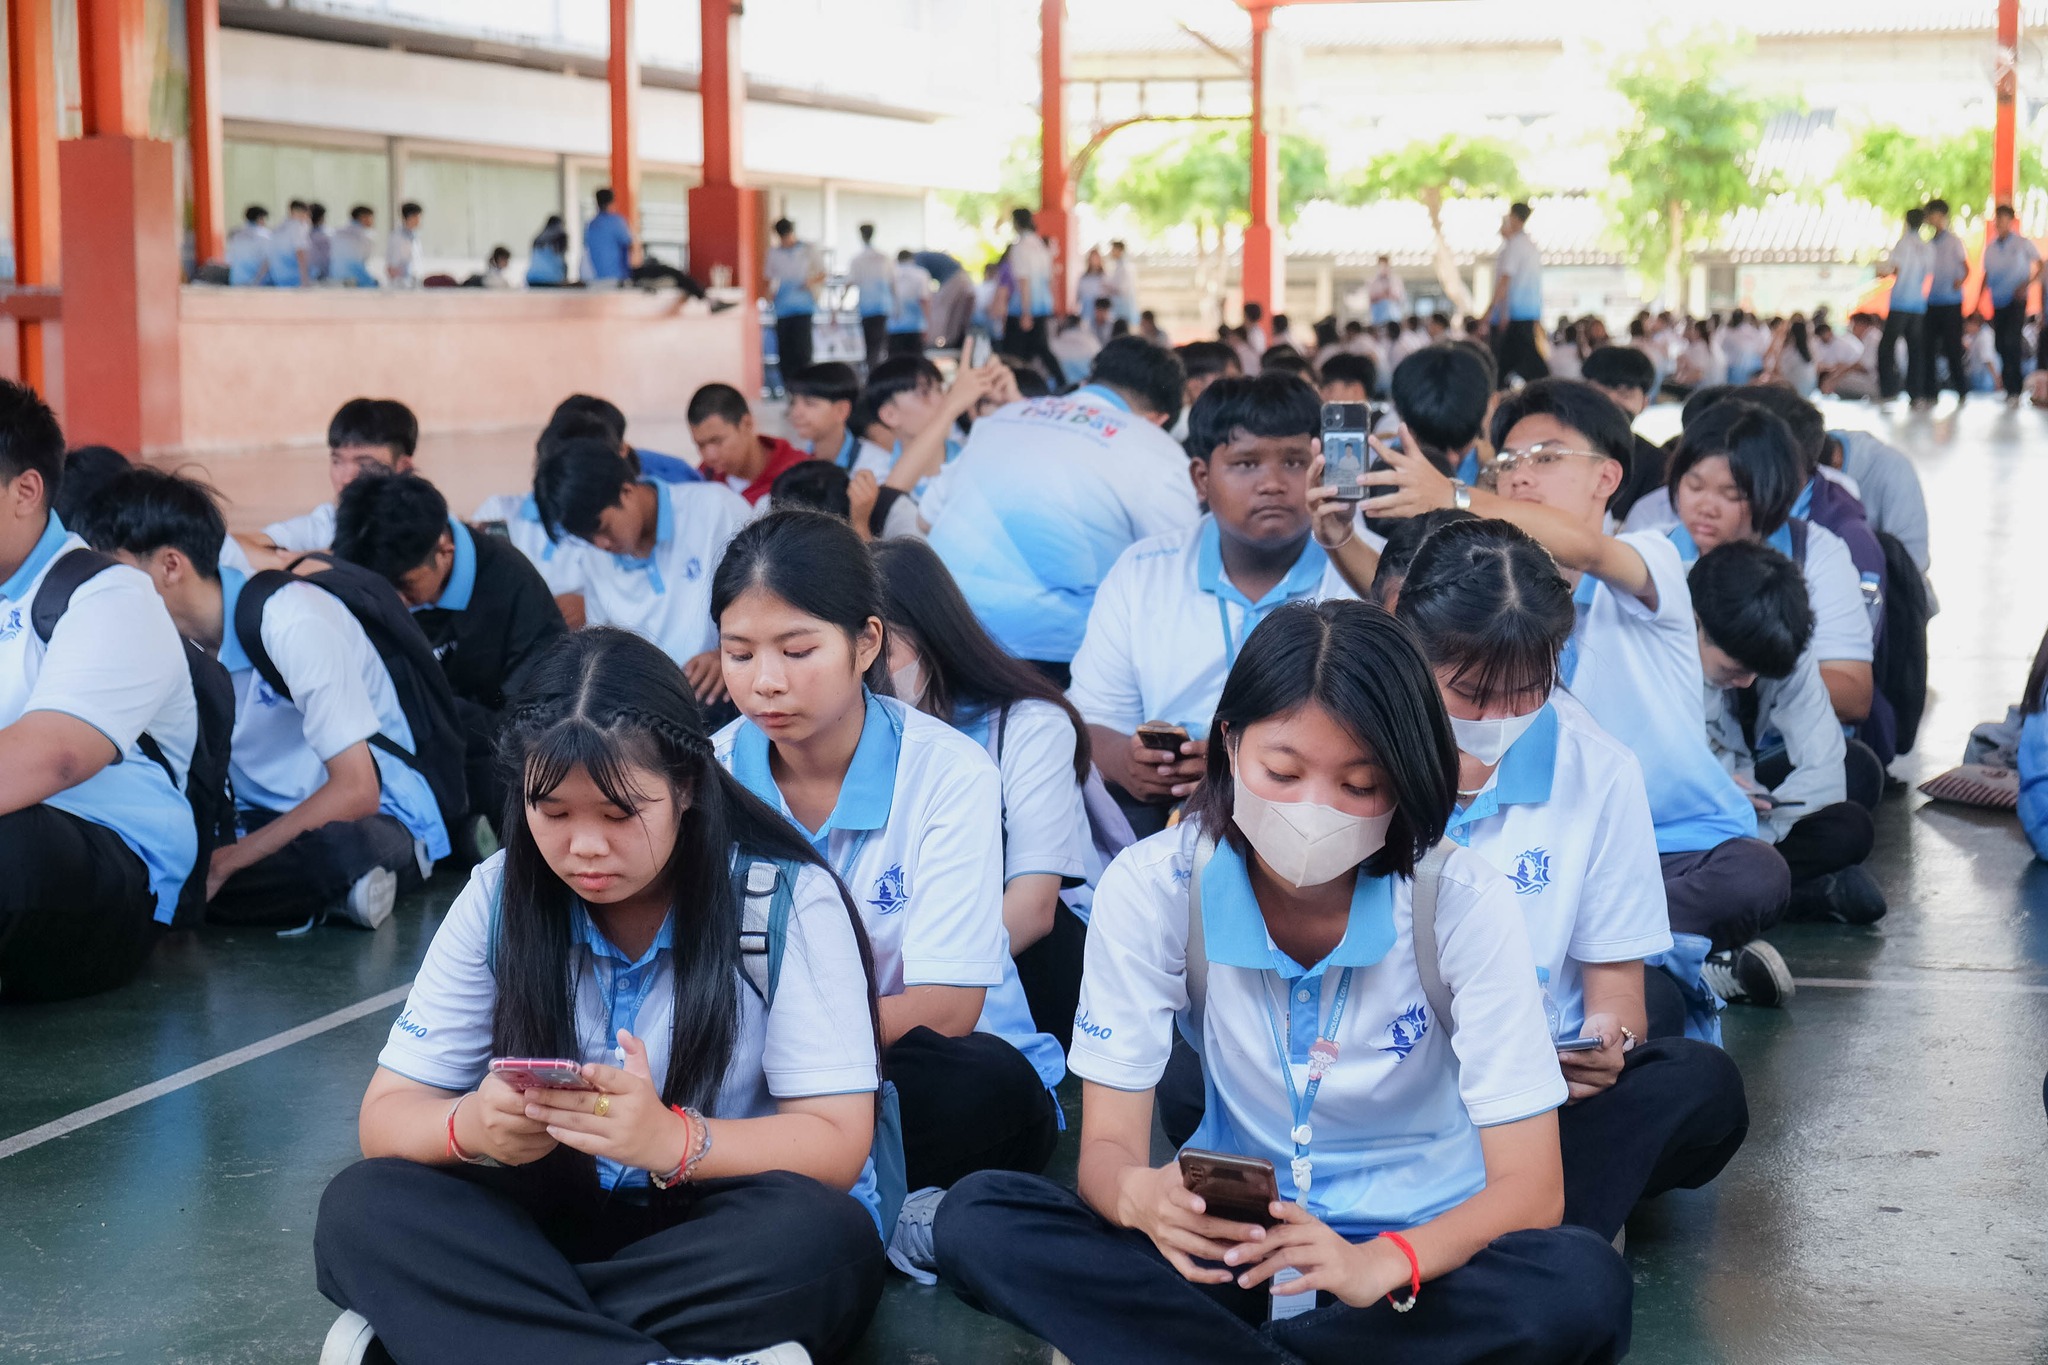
x: 829, y: 801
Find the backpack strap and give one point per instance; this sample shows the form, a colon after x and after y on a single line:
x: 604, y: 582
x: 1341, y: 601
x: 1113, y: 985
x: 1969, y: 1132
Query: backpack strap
x: 1428, y: 962
x: 1796, y: 528
x: 1197, y: 970
x: 71, y: 572
x: 248, y: 624
x: 765, y: 889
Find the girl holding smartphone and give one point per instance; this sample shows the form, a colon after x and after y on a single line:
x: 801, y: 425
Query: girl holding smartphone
x: 693, y: 1201
x: 1416, y: 1157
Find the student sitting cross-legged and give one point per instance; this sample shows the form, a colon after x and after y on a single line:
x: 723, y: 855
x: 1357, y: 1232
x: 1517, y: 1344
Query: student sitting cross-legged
x: 686, y: 1192
x: 1174, y: 611
x: 97, y: 730
x: 1369, y: 1025
x: 333, y: 816
x: 481, y: 605
x: 1770, y: 721
x: 909, y: 812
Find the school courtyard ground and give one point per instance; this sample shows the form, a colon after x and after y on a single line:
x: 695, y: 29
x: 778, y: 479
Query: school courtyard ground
x: 164, y: 1147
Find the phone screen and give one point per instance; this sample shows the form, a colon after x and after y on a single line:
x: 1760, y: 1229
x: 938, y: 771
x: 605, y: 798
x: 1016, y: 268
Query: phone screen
x: 1345, y: 427
x: 977, y: 350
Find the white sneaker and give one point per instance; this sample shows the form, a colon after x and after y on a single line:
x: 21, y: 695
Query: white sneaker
x: 348, y: 1340
x: 910, y: 1248
x: 371, y: 899
x: 788, y: 1353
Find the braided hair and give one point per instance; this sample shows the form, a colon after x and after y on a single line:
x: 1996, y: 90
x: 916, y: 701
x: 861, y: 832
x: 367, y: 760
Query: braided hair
x: 612, y: 704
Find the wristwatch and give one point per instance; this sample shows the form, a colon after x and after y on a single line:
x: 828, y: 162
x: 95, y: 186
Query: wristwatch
x: 1461, y: 495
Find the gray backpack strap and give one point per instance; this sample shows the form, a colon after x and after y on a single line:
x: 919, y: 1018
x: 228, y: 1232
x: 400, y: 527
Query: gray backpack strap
x: 1197, y: 971
x: 765, y: 891
x: 1428, y: 961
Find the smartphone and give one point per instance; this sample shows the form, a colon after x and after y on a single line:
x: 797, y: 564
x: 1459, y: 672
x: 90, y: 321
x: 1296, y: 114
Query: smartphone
x: 977, y: 348
x: 1162, y: 738
x: 1578, y: 1044
x: 540, y: 1073
x: 1235, y: 1187
x: 1770, y: 799
x: 1345, y: 427
x: 492, y: 528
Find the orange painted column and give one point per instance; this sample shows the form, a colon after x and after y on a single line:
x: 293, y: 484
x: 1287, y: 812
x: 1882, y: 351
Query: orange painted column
x: 32, y: 110
x: 1055, y: 190
x: 120, y: 233
x: 202, y: 43
x: 1261, y: 282
x: 623, y: 68
x: 725, y: 214
x: 2004, y: 140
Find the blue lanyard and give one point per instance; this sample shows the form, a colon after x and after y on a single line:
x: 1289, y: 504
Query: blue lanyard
x: 1299, y: 1101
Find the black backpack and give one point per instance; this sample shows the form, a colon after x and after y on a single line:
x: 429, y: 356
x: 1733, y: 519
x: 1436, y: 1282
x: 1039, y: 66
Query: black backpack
x: 416, y: 676
x: 1900, y: 669
x: 207, y: 789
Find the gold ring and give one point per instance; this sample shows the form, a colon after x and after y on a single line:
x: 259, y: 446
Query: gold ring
x: 604, y: 1106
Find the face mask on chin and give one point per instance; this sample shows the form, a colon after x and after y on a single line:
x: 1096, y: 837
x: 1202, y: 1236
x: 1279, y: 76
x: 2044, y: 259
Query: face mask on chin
x: 1489, y: 740
x: 909, y: 683
x: 1304, y: 843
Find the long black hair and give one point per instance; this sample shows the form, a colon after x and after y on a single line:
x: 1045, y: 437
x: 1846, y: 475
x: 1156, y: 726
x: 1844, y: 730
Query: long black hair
x: 1487, y: 602
x: 963, y: 667
x: 606, y: 700
x: 814, y: 562
x: 2036, y: 698
x: 1365, y: 669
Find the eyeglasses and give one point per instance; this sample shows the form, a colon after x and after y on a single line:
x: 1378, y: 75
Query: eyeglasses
x: 1540, y: 456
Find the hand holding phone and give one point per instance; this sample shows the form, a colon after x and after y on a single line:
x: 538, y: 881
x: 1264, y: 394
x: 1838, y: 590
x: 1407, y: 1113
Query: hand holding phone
x: 978, y: 347
x: 1241, y: 1188
x: 1578, y: 1044
x: 1162, y: 738
x: 540, y: 1073
x: 1345, y: 428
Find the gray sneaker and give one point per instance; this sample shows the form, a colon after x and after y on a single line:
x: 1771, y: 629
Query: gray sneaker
x: 1754, y: 974
x: 788, y: 1353
x: 910, y: 1249
x: 348, y: 1341
x: 370, y: 900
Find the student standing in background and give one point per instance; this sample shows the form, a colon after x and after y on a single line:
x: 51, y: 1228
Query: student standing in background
x: 792, y: 274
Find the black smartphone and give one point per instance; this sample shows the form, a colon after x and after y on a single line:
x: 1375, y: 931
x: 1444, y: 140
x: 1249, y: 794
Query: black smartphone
x: 1239, y: 1188
x: 1578, y: 1044
x: 1345, y: 428
x: 1162, y: 738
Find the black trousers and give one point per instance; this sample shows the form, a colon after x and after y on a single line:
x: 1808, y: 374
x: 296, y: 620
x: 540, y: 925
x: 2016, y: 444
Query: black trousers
x: 652, y: 271
x: 1517, y: 352
x: 1945, y: 340
x: 1912, y: 329
x: 1731, y: 893
x: 1050, y: 972
x: 313, y: 871
x: 1832, y: 837
x: 906, y: 343
x: 1033, y: 345
x: 77, y: 916
x: 1027, y: 1251
x: 969, y: 1104
x: 533, y: 1266
x: 1672, y: 1122
x: 2006, y: 325
x: 874, y: 335
x: 792, y: 345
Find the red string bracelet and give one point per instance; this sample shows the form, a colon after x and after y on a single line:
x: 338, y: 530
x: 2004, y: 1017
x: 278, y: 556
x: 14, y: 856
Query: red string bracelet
x: 455, y: 1152
x: 1414, y: 1272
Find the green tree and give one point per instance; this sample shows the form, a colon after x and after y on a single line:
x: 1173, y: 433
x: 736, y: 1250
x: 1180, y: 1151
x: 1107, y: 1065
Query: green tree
x: 1895, y: 170
x: 1431, y: 171
x: 1683, y: 160
x: 1017, y: 185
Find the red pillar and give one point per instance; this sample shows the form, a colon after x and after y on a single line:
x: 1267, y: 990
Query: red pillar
x: 120, y: 212
x: 202, y: 44
x: 1261, y: 283
x: 623, y: 68
x: 32, y: 108
x: 2004, y: 142
x: 1055, y: 192
x: 725, y: 215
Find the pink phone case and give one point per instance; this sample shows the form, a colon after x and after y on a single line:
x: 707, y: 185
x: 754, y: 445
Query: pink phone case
x: 540, y: 1073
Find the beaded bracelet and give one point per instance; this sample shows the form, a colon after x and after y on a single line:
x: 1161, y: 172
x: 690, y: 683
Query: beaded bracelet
x: 1414, y: 1272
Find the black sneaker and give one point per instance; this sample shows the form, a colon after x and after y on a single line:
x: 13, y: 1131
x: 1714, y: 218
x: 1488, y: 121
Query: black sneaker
x: 1753, y: 974
x: 1850, y: 896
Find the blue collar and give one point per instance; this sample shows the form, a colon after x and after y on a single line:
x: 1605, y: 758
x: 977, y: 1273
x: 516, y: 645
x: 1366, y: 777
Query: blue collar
x: 46, y: 547
x: 232, y: 656
x: 529, y: 509
x: 1523, y: 778
x: 1779, y: 540
x: 1582, y: 596
x: 664, y: 527
x: 1468, y: 468
x: 849, y: 450
x: 1109, y: 396
x: 590, y: 936
x: 462, y: 578
x: 1802, y: 506
x: 1234, y: 929
x: 1304, y: 577
x: 1688, y: 548
x: 867, y: 790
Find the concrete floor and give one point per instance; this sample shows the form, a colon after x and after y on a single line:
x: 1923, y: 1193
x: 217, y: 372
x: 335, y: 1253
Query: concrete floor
x: 1889, y: 1205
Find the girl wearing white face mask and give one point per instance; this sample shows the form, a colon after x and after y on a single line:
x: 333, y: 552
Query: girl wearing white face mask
x: 942, y: 662
x: 1415, y: 1159
x: 1559, y: 806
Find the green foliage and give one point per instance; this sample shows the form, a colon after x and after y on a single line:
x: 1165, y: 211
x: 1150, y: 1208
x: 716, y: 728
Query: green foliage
x: 1016, y: 187
x: 1895, y: 170
x: 1205, y: 179
x: 1451, y: 167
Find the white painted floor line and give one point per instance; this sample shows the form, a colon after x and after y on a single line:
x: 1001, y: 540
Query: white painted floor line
x: 1932, y: 983
x: 192, y: 1075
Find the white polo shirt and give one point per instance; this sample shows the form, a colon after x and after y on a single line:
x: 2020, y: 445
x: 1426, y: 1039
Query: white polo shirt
x: 1795, y: 712
x: 1566, y: 818
x: 115, y: 662
x: 560, y: 564
x: 298, y: 535
x: 816, y: 1040
x: 1396, y: 1122
x: 1045, y: 821
x: 1168, y: 623
x: 666, y: 597
x: 1638, y: 672
x: 1841, y: 620
x: 1043, y: 498
x: 912, y: 838
x: 341, y: 696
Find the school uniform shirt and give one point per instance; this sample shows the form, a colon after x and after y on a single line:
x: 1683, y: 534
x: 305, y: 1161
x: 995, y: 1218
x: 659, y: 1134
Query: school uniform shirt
x: 312, y: 531
x: 666, y: 597
x: 872, y: 275
x: 1045, y: 821
x: 2008, y: 265
x: 1637, y: 670
x: 1841, y: 619
x: 668, y: 468
x: 248, y: 253
x: 1949, y: 265
x: 1913, y: 262
x: 1396, y: 1122
x: 559, y: 563
x: 1168, y: 623
x: 1044, y: 497
x: 1522, y: 263
x: 294, y: 236
x: 1566, y: 819
x: 849, y: 449
x: 788, y: 270
x: 341, y: 696
x: 494, y: 619
x: 816, y: 1040
x: 1031, y: 264
x: 1795, y: 712
x: 402, y: 255
x: 910, y: 288
x: 608, y: 247
x: 1889, y: 489
x: 115, y: 662
x: 913, y: 838
x: 350, y: 250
